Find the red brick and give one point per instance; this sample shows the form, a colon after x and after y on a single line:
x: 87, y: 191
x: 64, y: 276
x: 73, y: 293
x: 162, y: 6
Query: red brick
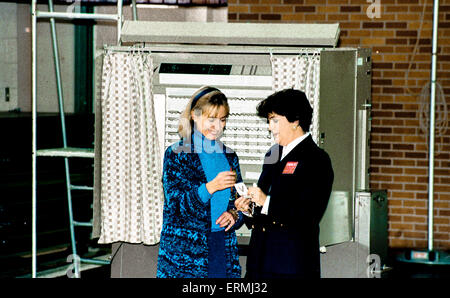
x: 305, y: 9
x: 270, y: 17
x: 415, y: 155
x: 402, y: 210
x: 404, y: 179
x: 392, y: 170
x: 391, y: 186
x: 248, y: 16
x: 405, y: 114
x: 391, y: 122
x: 381, y: 178
x: 380, y: 161
x: 392, y: 90
x: 248, y: 1
x: 416, y: 187
x: 396, y: 41
x: 406, y: 33
x: 396, y: 25
x: 414, y: 235
x: 415, y: 219
x: 400, y: 242
x: 401, y: 226
x: 404, y: 162
x: 391, y: 106
x: 382, y: 82
x: 349, y: 9
x: 381, y: 65
x: 414, y: 203
x: 259, y: 9
x: 403, y: 146
x: 405, y: 65
x: 373, y: 25
x: 404, y: 130
x: 381, y: 130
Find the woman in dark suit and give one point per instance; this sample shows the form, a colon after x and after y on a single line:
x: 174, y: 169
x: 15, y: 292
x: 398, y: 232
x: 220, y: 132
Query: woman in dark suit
x: 291, y: 196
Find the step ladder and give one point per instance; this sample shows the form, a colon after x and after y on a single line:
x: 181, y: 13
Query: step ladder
x: 65, y: 152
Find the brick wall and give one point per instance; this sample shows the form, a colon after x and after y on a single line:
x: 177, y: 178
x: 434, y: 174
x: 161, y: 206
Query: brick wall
x: 401, y: 46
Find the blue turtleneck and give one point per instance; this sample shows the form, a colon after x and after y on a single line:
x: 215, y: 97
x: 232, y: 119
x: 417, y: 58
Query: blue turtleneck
x: 214, y: 161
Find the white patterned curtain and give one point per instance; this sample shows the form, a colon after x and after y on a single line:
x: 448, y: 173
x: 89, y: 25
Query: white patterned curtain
x: 300, y: 72
x: 131, y: 192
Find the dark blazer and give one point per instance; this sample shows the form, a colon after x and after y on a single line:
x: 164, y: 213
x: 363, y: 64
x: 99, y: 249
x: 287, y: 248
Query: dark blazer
x: 285, y: 243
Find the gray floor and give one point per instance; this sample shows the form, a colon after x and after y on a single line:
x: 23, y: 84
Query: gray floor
x: 344, y: 260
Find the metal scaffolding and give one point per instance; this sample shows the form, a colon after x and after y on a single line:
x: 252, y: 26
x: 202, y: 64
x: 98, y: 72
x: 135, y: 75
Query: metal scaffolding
x: 65, y: 152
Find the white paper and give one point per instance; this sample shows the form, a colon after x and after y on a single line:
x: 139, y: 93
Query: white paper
x: 241, y: 188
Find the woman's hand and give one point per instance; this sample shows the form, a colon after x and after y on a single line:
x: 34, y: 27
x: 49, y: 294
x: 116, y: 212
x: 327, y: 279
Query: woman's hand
x: 226, y: 219
x: 257, y: 195
x: 242, y: 204
x: 223, y: 180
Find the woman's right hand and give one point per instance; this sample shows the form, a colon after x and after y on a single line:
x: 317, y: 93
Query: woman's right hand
x: 222, y: 181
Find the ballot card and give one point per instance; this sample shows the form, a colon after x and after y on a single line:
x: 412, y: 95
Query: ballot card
x: 241, y: 188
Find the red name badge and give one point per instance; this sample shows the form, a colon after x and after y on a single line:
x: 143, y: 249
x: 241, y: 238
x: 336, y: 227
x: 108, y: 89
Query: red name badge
x: 290, y: 167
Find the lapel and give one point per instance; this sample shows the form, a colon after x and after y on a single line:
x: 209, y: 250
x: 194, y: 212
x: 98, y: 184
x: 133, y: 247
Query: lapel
x: 186, y: 148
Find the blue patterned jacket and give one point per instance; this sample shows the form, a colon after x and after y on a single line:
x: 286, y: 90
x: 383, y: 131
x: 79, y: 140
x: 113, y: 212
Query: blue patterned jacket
x: 183, y: 250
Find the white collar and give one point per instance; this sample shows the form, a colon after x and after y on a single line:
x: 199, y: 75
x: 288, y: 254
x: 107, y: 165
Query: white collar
x: 288, y: 148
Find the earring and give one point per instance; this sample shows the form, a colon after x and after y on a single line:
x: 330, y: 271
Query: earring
x: 294, y: 127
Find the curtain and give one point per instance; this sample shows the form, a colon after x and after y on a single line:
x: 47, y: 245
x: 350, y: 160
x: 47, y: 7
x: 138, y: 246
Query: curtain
x: 300, y: 72
x: 130, y: 188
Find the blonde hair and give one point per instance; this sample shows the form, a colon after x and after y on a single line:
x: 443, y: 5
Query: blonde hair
x: 208, y: 103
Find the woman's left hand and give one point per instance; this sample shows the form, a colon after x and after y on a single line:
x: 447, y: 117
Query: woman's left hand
x: 226, y: 219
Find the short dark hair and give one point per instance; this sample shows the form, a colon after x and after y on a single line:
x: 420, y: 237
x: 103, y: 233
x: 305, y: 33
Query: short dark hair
x: 291, y: 103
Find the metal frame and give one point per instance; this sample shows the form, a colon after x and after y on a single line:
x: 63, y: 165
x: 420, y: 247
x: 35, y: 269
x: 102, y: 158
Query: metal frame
x: 432, y: 125
x: 65, y: 152
x: 430, y: 256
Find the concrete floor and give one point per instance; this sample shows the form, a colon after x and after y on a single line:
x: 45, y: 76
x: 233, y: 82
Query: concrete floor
x: 397, y: 270
x: 55, y: 265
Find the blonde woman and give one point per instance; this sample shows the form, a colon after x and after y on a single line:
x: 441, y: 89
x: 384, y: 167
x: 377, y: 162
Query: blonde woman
x: 198, y: 236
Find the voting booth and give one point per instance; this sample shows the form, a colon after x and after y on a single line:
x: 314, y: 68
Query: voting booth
x: 248, y: 62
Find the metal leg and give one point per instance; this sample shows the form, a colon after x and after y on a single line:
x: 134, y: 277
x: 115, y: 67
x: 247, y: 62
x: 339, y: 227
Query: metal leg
x: 64, y: 135
x: 432, y: 127
x: 133, y: 3
x: 33, y: 116
x: 72, y: 228
x: 119, y: 21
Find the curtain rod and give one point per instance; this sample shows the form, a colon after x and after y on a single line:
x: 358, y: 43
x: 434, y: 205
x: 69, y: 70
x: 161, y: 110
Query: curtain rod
x: 207, y: 49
